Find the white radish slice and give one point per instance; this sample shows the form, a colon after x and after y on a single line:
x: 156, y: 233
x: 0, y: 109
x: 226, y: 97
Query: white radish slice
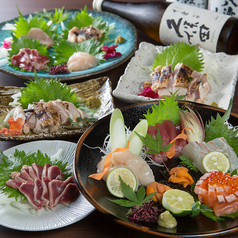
x: 117, y: 131
x: 135, y: 144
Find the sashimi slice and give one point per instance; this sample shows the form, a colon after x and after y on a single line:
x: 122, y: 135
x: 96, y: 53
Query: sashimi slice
x: 219, y: 191
x: 196, y: 151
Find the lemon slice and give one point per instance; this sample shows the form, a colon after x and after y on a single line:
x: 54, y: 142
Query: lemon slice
x: 114, y: 184
x: 216, y: 160
x: 178, y: 202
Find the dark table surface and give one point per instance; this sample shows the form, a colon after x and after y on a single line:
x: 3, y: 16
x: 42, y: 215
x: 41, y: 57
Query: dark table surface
x: 96, y: 224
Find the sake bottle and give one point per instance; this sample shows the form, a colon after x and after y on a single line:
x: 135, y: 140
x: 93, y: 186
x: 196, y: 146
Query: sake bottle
x: 195, y: 3
x: 172, y: 22
x: 224, y: 7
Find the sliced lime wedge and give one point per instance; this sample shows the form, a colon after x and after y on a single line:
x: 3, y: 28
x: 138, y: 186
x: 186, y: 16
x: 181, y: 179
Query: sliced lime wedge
x: 178, y: 202
x: 216, y: 160
x: 114, y: 184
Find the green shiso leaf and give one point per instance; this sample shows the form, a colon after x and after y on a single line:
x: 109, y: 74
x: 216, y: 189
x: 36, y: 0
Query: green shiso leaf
x: 24, y: 25
x: 216, y: 128
x: 180, y: 53
x: 46, y: 90
x: 22, y: 42
x: 83, y: 19
x: 57, y: 16
x: 167, y: 109
x: 15, y: 162
x: 64, y: 49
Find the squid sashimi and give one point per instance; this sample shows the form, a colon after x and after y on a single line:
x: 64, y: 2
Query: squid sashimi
x: 81, y: 61
x: 168, y: 132
x: 219, y: 191
x: 135, y: 163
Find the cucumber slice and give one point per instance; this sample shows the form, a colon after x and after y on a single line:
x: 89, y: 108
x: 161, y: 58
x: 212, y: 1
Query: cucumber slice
x: 117, y: 131
x: 135, y: 144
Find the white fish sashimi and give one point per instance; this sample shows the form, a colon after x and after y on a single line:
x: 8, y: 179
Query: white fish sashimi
x: 196, y: 151
x: 81, y: 61
x: 135, y: 163
x: 228, y: 151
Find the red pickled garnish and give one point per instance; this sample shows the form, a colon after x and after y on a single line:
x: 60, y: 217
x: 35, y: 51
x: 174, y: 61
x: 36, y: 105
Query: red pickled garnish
x: 148, y: 92
x: 147, y: 213
x: 110, y: 51
x: 59, y: 69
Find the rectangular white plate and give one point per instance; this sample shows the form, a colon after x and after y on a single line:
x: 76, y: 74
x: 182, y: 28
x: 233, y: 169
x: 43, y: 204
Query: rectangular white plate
x: 221, y: 70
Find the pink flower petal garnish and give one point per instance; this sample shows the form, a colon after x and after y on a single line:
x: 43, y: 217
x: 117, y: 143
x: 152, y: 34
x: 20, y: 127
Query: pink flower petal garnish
x: 6, y: 44
x: 110, y: 51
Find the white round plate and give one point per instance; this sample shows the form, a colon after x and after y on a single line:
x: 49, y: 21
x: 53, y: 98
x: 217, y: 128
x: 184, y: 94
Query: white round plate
x: 61, y: 215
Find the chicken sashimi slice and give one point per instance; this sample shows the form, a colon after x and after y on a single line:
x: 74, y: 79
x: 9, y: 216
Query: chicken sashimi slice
x: 39, y: 34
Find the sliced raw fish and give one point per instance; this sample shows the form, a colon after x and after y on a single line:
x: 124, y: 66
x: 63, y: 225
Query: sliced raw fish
x: 196, y: 151
x: 134, y: 162
x: 39, y: 34
x: 81, y: 61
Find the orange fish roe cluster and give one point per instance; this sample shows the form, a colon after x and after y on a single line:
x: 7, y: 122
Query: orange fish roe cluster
x: 15, y: 127
x: 218, y: 178
x: 219, y: 191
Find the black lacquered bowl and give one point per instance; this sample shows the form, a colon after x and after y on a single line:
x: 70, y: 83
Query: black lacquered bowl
x: 96, y: 192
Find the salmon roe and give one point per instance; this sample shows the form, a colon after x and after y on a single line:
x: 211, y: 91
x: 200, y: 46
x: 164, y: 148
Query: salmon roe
x: 221, y: 179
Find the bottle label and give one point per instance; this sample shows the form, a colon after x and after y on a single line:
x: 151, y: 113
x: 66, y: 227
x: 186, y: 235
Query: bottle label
x: 196, y: 3
x: 224, y: 7
x: 192, y: 25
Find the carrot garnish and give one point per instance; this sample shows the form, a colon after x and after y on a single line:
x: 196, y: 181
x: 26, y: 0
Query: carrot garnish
x: 107, y: 163
x: 171, y: 151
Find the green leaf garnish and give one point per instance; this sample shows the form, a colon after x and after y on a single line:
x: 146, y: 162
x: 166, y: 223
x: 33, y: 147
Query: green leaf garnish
x: 57, y: 16
x: 154, y: 144
x: 64, y: 49
x: 134, y: 199
x: 167, y: 109
x: 188, y: 163
x: 23, y: 26
x: 46, y: 90
x: 198, y: 208
x: 15, y: 162
x: 216, y: 128
x: 180, y: 53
